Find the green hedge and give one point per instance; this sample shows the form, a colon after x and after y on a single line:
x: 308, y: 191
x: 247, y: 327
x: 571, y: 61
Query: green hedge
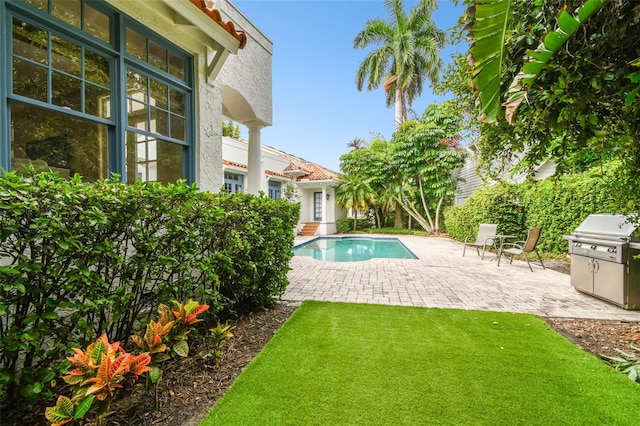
x: 496, y: 204
x: 558, y: 205
x: 77, y: 260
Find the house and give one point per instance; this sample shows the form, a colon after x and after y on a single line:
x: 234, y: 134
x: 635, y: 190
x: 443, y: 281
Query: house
x: 283, y: 175
x: 136, y: 88
x: 472, y: 180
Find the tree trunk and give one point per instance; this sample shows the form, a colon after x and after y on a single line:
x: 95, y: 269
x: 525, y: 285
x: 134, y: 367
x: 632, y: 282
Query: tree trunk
x: 355, y: 219
x: 400, y: 107
x: 398, y: 218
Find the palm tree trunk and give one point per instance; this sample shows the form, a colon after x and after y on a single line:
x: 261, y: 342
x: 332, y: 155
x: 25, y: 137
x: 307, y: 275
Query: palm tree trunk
x: 398, y: 218
x: 400, y: 107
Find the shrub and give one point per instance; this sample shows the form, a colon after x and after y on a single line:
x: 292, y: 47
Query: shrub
x: 97, y: 373
x: 344, y: 226
x: 496, y: 204
x: 559, y: 205
x: 77, y: 260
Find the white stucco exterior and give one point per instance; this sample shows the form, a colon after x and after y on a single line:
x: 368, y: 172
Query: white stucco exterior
x: 273, y: 167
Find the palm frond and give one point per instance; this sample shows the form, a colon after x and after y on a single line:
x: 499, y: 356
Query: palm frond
x: 489, y: 31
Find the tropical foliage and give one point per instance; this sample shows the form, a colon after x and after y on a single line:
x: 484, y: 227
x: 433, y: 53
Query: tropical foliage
x: 355, y: 193
x: 408, y: 53
x: 581, y: 109
x: 96, y: 374
x: 413, y: 170
x: 425, y: 154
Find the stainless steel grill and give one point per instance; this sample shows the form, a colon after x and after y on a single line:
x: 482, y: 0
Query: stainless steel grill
x: 603, y: 264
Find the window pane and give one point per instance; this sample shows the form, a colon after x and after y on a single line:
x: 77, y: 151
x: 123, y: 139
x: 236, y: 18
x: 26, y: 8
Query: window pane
x: 176, y: 66
x: 153, y: 159
x: 159, y: 121
x: 97, y: 101
x: 58, y: 142
x: 177, y: 102
x: 66, y: 91
x: 136, y: 45
x: 136, y: 86
x: 157, y: 56
x: 29, y: 42
x: 96, y: 68
x: 96, y: 23
x: 68, y: 11
x: 177, y: 128
x: 65, y: 56
x: 39, y: 4
x: 158, y: 94
x: 138, y: 115
x: 29, y: 80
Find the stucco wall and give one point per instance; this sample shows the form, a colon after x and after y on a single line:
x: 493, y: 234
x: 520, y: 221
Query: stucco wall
x: 249, y: 72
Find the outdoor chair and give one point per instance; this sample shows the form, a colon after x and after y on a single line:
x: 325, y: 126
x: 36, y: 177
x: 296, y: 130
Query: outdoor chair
x: 485, y: 237
x: 524, y: 247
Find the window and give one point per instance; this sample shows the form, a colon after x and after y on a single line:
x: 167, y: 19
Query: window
x: 66, y: 111
x: 233, y: 182
x: 275, y: 189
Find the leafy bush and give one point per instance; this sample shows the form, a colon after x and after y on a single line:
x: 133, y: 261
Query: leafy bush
x: 559, y: 205
x: 79, y: 260
x: 344, y: 225
x: 97, y: 373
x: 496, y: 204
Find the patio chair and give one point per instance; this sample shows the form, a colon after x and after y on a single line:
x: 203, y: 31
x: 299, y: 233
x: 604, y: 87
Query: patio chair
x: 524, y: 247
x: 485, y: 238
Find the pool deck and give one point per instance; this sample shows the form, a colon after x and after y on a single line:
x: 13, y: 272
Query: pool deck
x: 442, y: 278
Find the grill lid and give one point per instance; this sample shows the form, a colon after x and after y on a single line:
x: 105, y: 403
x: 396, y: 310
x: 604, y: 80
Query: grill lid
x: 606, y: 225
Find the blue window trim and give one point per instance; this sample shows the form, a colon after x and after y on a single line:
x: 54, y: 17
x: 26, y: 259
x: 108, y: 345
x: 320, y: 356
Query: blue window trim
x: 116, y: 50
x: 5, y: 131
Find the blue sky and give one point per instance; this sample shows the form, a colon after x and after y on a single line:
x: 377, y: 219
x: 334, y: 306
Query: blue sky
x: 317, y: 109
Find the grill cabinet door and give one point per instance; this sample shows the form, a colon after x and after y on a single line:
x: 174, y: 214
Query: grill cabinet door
x: 608, y: 281
x: 581, y: 273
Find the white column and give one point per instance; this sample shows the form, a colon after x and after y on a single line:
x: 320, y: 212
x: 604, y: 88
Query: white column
x: 254, y: 175
x: 324, y: 205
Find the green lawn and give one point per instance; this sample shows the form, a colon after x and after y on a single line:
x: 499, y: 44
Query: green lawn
x: 356, y: 364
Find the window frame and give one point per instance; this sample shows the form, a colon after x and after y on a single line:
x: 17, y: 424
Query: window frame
x: 119, y: 61
x: 235, y: 182
x: 274, y: 188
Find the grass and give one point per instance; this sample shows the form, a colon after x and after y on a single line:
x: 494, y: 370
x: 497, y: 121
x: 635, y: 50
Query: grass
x: 357, y: 364
x: 394, y: 231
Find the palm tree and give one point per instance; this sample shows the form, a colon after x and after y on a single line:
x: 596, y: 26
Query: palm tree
x: 356, y: 143
x: 409, y: 52
x: 354, y: 193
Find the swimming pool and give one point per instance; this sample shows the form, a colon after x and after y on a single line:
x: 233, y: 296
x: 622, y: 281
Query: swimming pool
x: 353, y: 249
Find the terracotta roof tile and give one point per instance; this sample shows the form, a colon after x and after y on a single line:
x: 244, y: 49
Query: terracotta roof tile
x: 208, y: 7
x: 232, y: 163
x: 244, y: 166
x: 312, y: 171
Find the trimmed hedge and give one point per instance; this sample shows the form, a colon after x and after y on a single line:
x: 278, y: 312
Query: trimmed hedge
x: 496, y: 204
x: 77, y: 260
x: 558, y: 205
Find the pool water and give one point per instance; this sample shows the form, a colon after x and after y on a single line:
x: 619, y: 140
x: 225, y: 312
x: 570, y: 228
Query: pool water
x: 353, y: 249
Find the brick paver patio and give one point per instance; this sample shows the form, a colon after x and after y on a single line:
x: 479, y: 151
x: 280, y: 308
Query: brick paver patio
x: 442, y: 278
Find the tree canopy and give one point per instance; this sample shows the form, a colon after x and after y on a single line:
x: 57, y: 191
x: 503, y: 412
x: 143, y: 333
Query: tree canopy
x: 415, y: 169
x: 581, y: 108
